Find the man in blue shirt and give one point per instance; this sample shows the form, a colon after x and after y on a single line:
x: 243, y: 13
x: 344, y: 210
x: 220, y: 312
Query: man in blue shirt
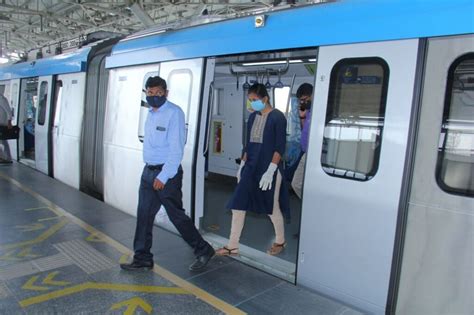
x: 162, y: 178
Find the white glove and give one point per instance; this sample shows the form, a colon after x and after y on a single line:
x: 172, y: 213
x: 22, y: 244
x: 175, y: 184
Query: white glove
x: 267, y: 177
x: 242, y: 163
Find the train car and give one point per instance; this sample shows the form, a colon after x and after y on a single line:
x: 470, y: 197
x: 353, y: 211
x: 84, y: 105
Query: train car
x: 385, y: 221
x: 59, y: 102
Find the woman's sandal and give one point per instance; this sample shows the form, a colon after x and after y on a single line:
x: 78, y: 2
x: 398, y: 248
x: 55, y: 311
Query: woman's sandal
x: 276, y: 249
x: 224, y: 251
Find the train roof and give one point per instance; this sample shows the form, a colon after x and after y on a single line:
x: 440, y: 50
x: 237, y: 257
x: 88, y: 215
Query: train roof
x: 69, y: 62
x: 65, y: 63
x: 329, y: 23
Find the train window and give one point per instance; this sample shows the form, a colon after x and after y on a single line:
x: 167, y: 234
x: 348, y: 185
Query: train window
x: 143, y: 102
x: 355, y: 118
x: 281, y: 99
x: 14, y: 95
x: 42, y: 102
x: 14, y: 99
x: 180, y: 83
x: 57, y: 102
x: 144, y: 106
x: 455, y: 165
x: 4, y: 91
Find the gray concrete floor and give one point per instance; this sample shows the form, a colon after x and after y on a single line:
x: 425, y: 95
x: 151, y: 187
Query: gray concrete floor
x: 60, y: 251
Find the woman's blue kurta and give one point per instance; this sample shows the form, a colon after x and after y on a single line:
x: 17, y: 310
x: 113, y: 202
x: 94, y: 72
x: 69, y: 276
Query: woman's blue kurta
x: 248, y: 196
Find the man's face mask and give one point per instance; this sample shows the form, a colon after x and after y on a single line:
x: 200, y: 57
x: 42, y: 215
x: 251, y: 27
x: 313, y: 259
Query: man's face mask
x: 305, y: 104
x: 156, y: 101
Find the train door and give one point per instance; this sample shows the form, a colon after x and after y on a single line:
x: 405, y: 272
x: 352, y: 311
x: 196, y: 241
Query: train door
x: 124, y: 128
x: 92, y: 156
x: 184, y: 84
x: 67, y: 127
x: 356, y: 160
x: 437, y: 264
x: 224, y: 119
x: 14, y: 102
x: 27, y: 120
x: 42, y: 124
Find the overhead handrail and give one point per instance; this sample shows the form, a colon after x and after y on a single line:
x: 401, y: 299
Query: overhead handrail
x: 268, y: 85
x: 269, y: 71
x: 246, y: 85
x: 279, y: 84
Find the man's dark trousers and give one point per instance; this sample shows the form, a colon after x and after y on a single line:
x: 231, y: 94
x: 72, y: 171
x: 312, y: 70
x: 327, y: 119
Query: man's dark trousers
x: 150, y: 201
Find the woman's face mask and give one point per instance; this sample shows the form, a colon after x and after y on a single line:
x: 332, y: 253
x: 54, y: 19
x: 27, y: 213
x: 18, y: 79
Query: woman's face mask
x: 156, y: 101
x: 257, y: 105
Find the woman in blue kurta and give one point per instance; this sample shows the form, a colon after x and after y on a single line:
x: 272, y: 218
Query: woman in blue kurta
x: 260, y: 188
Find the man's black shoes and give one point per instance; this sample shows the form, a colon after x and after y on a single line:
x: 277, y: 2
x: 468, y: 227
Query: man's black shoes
x: 202, y: 260
x: 199, y: 264
x: 137, y: 265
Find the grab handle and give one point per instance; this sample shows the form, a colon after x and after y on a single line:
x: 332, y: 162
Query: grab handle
x: 209, y: 118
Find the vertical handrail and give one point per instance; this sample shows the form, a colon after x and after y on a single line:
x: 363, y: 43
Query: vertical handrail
x: 289, y: 96
x: 210, y: 101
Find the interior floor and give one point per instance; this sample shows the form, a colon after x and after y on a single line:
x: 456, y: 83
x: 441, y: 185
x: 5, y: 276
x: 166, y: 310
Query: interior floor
x: 258, y: 230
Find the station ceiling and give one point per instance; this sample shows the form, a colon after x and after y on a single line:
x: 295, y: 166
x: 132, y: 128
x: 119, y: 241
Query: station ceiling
x: 34, y: 25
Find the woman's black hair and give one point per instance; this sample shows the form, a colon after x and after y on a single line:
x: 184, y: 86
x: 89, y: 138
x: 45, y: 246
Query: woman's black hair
x: 155, y: 81
x: 305, y: 89
x: 260, y: 90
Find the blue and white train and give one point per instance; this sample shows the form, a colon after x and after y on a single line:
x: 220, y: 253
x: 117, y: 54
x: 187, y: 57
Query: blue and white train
x: 386, y: 220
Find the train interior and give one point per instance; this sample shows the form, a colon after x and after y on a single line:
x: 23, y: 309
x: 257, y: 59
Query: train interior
x: 282, y: 74
x: 26, y: 120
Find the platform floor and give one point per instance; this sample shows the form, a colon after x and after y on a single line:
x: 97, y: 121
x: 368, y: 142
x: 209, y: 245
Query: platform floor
x: 60, y: 252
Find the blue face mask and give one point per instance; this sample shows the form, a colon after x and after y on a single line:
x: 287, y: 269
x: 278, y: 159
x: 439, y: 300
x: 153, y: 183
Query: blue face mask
x: 156, y: 101
x: 257, y: 105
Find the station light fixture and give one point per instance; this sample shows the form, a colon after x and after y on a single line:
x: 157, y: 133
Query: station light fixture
x: 267, y: 63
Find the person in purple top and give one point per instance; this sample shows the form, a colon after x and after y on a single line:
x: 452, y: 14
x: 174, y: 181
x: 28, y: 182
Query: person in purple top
x: 305, y: 98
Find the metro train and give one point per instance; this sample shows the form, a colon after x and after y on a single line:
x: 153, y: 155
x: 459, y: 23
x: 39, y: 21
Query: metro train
x: 385, y: 223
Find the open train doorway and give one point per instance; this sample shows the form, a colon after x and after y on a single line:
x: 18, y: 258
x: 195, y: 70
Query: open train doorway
x: 26, y: 121
x: 225, y: 120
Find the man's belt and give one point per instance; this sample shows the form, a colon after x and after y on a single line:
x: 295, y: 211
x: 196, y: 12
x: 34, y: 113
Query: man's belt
x: 157, y: 167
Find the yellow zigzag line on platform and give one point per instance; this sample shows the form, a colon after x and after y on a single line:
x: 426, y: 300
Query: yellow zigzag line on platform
x: 101, y: 286
x: 131, y: 306
x: 45, y: 235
